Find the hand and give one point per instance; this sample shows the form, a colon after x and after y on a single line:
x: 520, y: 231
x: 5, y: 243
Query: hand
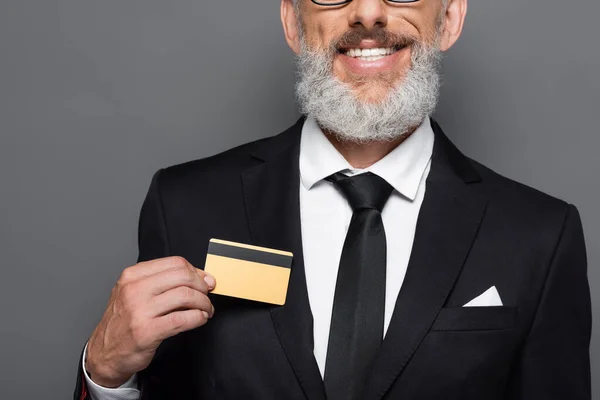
x: 151, y: 301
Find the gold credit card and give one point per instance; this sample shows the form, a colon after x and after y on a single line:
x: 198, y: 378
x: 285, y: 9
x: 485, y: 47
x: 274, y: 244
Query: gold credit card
x: 249, y: 272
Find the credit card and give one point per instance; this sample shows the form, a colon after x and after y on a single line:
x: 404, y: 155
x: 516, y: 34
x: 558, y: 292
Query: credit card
x: 249, y: 272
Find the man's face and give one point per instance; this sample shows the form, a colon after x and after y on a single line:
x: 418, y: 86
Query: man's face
x: 371, y: 40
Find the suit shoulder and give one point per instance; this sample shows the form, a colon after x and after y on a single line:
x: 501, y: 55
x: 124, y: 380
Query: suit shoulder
x: 207, y: 182
x: 229, y: 161
x: 519, y: 198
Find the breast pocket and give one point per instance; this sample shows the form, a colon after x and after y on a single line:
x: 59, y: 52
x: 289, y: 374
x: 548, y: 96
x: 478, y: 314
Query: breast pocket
x: 475, y: 318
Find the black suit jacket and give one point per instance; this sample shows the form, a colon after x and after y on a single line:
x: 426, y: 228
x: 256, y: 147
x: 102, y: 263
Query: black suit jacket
x: 476, y: 229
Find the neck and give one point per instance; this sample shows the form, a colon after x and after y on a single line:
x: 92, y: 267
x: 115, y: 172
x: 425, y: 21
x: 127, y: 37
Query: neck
x: 363, y: 155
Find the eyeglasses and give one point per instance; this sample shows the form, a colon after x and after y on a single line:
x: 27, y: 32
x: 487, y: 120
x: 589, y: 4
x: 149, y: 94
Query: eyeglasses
x: 342, y: 2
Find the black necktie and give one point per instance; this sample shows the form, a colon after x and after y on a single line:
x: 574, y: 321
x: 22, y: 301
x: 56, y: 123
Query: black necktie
x: 356, y: 329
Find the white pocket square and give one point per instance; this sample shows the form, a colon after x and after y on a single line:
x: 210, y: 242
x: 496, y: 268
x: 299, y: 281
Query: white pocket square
x: 489, y: 298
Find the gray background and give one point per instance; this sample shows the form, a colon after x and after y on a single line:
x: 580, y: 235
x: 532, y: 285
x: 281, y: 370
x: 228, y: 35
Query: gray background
x: 97, y: 95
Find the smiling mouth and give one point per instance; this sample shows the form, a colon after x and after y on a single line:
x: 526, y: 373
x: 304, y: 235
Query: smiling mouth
x: 371, y: 54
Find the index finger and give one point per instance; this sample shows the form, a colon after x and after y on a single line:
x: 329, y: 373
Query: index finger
x: 148, y: 268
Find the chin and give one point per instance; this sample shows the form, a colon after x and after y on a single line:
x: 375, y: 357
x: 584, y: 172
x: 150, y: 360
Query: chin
x: 372, y: 97
x: 373, y: 88
x: 373, y: 91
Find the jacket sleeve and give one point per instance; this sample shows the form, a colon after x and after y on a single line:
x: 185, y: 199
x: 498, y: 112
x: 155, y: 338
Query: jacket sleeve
x: 153, y: 239
x: 554, y: 362
x: 152, y: 243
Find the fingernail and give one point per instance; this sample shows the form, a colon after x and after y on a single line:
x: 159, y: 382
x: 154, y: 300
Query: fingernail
x: 210, y: 281
x: 205, y: 314
x: 212, y: 314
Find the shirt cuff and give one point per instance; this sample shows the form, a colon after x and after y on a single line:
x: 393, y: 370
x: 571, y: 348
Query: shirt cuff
x: 127, y: 391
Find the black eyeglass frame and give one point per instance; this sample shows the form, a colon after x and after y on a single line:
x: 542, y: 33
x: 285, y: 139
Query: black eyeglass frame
x: 341, y: 3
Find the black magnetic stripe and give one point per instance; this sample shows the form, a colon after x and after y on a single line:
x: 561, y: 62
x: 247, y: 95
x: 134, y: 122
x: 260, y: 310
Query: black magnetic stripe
x: 241, y: 253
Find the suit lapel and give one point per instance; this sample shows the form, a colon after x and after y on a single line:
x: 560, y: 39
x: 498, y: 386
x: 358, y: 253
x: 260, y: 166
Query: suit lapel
x: 448, y: 222
x: 271, y: 194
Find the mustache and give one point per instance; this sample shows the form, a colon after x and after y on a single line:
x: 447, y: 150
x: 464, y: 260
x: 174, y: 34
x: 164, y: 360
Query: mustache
x: 381, y: 36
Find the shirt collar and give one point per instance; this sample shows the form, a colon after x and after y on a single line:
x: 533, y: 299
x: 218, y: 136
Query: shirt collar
x: 403, y: 168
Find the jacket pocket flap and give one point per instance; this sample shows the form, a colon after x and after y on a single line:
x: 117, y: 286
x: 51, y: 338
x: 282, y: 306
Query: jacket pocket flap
x: 475, y: 318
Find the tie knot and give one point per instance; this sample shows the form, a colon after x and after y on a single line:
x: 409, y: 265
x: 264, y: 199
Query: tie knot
x: 363, y: 191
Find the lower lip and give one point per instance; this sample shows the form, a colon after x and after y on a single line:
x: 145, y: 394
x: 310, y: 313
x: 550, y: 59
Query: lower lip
x: 363, y: 67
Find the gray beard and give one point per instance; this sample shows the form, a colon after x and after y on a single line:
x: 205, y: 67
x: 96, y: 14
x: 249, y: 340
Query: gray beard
x: 337, y: 110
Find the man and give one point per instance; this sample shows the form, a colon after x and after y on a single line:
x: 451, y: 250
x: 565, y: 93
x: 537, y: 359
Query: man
x: 417, y: 273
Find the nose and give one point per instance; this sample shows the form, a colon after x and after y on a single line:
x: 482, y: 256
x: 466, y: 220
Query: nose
x: 368, y: 13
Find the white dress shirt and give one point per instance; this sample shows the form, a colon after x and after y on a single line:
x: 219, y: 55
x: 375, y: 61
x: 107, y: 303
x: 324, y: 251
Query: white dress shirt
x: 325, y: 217
x: 127, y: 391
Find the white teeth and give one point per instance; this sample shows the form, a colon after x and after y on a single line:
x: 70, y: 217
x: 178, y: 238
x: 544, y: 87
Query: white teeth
x: 370, y: 54
x: 370, y: 58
